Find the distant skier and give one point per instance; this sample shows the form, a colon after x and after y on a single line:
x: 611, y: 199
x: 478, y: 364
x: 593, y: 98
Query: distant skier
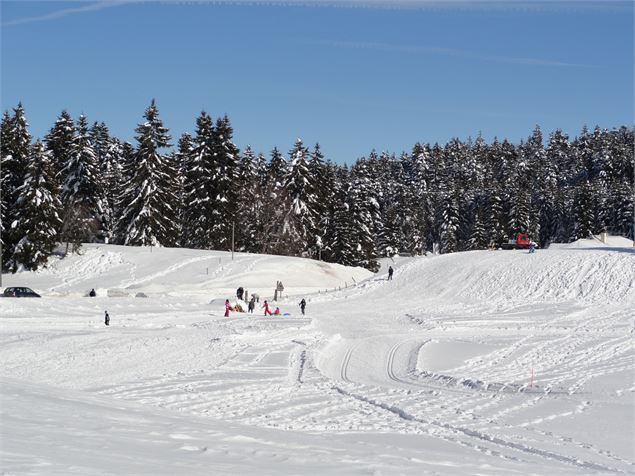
x: 92, y: 293
x: 390, y: 271
x: 239, y: 293
x: 302, y: 306
x: 251, y: 305
x: 106, y: 318
x: 227, y: 307
x: 266, y: 308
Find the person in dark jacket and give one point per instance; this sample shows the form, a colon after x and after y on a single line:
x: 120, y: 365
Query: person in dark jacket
x: 106, y: 318
x: 252, y: 305
x: 302, y: 306
x: 390, y: 271
x: 92, y: 293
x: 239, y: 293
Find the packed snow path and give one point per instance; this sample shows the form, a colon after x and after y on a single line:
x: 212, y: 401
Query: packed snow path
x: 482, y: 362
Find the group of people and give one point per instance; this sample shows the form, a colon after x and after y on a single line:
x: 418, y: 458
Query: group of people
x: 267, y: 311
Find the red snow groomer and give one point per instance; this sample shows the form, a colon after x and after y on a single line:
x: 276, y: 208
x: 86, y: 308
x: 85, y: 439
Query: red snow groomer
x: 520, y: 241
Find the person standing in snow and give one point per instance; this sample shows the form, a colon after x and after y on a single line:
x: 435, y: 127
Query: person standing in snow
x: 92, y: 293
x: 251, y: 305
x: 302, y: 306
x: 227, y: 307
x: 266, y: 308
x: 106, y: 318
x: 390, y: 271
x: 532, y: 247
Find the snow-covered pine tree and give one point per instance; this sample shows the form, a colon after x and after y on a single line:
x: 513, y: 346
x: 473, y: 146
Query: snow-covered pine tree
x: 112, y: 179
x: 326, y: 237
x: 459, y: 173
x: 495, y: 175
x: 183, y: 159
x: 621, y: 179
x: 82, y: 205
x: 364, y: 216
x: 520, y: 195
x: 299, y: 217
x: 108, y: 158
x: 60, y: 141
x: 583, y: 211
x: 37, y: 222
x: 450, y: 225
x: 478, y: 235
x: 322, y: 189
x: 421, y: 196
x: 5, y: 178
x: 149, y: 216
x: 225, y: 195
x: 275, y: 205
x: 100, y: 139
x: 249, y: 203
x: 198, y: 187
x: 340, y: 244
x: 16, y: 148
x: 536, y: 158
x: 556, y: 224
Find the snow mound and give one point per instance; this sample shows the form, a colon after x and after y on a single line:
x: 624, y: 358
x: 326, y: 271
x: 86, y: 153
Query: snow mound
x: 595, y: 242
x: 128, y: 271
x: 501, y: 277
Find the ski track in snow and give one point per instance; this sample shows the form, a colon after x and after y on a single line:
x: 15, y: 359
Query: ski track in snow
x: 452, y: 362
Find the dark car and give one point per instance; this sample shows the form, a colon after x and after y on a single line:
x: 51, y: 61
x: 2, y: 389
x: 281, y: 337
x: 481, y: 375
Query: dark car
x: 19, y: 292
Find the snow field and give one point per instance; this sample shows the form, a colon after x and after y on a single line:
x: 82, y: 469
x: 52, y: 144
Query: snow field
x: 431, y: 372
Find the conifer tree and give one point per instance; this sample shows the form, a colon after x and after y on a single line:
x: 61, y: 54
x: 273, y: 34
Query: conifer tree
x: 321, y: 186
x: 6, y: 157
x: 275, y: 206
x: 83, y: 209
x: 364, y: 216
x: 450, y: 226
x: 149, y: 216
x: 60, y: 141
x: 225, y: 195
x: 16, y: 148
x: 299, y: 218
x: 36, y: 224
x: 198, y: 187
x: 249, y: 203
x: 183, y: 160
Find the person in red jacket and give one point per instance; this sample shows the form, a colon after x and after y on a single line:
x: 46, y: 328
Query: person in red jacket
x: 227, y: 306
x: 266, y: 307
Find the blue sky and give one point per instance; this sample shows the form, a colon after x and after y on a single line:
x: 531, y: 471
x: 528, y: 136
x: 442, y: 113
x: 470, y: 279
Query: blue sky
x: 352, y: 74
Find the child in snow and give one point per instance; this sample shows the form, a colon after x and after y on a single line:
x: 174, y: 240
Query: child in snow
x: 227, y: 307
x: 266, y: 308
x: 302, y: 305
x: 390, y: 271
x: 106, y: 318
x: 252, y: 305
x: 277, y: 312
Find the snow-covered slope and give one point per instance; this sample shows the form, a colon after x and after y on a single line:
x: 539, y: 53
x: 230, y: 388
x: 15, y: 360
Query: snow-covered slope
x: 177, y: 272
x: 493, y: 362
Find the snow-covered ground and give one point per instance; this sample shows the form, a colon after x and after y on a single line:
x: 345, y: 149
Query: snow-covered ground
x: 488, y: 362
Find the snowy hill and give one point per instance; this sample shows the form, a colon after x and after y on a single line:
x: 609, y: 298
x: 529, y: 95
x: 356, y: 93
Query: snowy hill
x: 177, y: 272
x: 488, y: 362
